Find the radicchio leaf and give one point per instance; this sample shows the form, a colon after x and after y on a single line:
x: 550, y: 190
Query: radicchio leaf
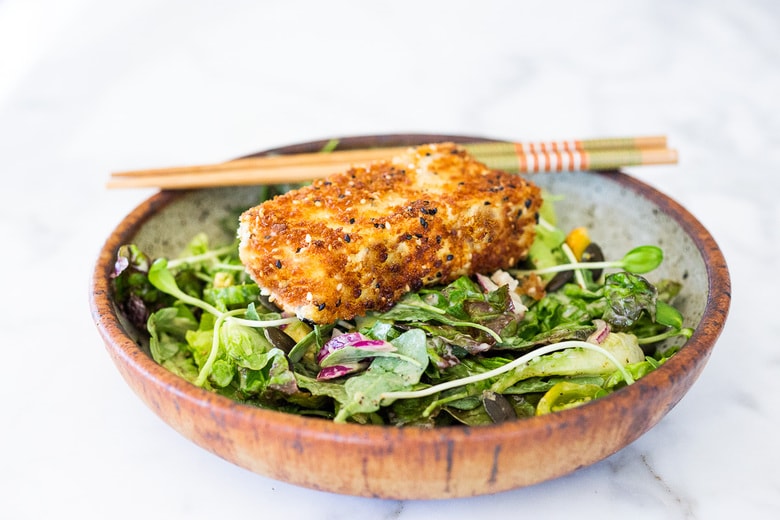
x: 338, y: 342
x: 601, y: 332
x: 337, y: 371
x: 348, y: 353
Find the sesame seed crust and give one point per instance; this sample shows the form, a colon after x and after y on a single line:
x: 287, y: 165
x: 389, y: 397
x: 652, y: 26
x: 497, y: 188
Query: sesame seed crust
x: 424, y: 218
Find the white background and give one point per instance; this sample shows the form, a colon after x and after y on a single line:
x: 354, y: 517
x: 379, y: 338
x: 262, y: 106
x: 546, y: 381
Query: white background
x: 88, y: 87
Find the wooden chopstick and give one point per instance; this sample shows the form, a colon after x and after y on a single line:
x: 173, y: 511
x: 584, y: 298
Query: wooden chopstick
x: 592, y: 154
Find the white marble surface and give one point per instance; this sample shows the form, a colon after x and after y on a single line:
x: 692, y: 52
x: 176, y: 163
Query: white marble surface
x: 87, y: 87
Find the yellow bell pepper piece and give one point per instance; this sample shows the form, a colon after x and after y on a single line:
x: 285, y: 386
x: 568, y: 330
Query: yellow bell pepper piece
x: 565, y: 395
x: 578, y: 240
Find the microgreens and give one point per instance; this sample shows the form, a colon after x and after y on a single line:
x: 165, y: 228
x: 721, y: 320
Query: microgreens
x: 642, y: 259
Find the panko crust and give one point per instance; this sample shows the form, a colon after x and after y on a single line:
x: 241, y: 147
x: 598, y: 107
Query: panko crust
x: 357, y: 241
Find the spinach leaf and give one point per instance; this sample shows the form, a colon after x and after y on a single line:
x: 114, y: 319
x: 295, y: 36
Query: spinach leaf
x: 461, y: 304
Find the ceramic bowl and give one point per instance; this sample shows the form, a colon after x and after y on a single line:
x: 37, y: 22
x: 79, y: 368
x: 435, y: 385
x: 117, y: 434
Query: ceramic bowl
x: 410, y: 463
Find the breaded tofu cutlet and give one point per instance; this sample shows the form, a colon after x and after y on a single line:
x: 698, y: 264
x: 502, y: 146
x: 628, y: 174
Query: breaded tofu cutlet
x: 357, y: 241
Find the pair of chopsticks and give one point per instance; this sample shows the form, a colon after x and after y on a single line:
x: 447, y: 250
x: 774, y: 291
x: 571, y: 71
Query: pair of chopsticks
x: 553, y: 156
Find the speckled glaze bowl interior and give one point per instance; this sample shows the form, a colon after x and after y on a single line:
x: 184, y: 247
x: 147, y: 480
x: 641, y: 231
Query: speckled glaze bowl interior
x: 411, y: 463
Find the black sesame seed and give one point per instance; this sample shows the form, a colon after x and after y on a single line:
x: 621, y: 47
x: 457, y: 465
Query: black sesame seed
x: 528, y: 203
x: 449, y: 258
x: 352, y: 221
x: 487, y: 203
x: 321, y: 307
x: 438, y: 239
x: 347, y: 238
x: 423, y: 222
x: 278, y: 264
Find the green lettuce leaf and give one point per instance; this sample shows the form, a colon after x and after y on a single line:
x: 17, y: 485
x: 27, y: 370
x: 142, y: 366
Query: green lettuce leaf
x: 364, y: 391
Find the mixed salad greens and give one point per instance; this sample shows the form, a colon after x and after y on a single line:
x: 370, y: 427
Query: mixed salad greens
x: 563, y: 328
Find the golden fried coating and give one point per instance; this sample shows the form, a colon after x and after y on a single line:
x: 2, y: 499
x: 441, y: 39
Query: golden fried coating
x: 357, y: 241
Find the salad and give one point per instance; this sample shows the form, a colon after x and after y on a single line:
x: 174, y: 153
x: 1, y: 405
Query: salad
x: 564, y: 327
